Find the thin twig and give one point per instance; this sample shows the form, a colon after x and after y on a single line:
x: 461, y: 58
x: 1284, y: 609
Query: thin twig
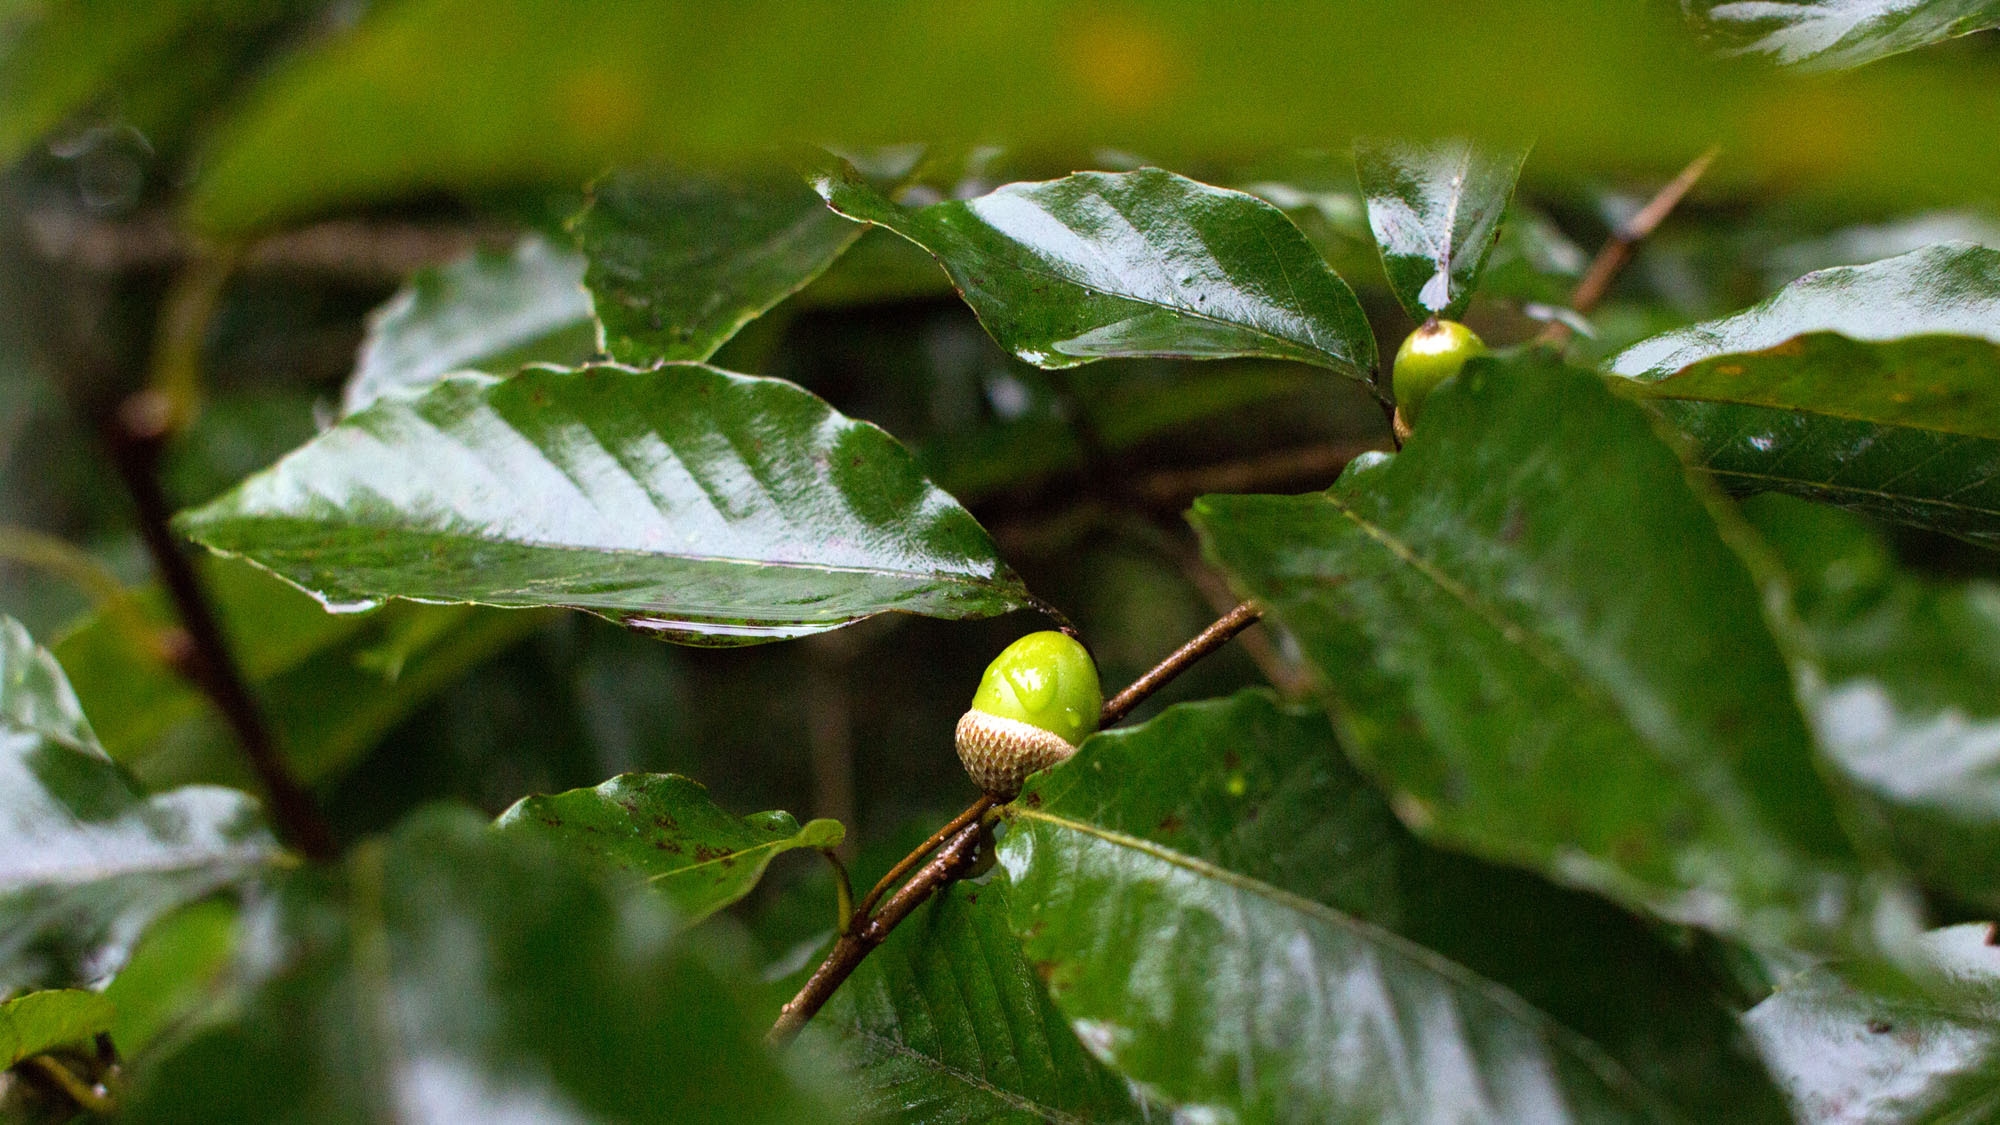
x: 952, y: 861
x: 917, y: 855
x: 1618, y: 249
x: 85, y: 1095
x: 135, y: 438
x: 1208, y: 640
x: 373, y: 251
x: 868, y: 928
x: 843, y: 890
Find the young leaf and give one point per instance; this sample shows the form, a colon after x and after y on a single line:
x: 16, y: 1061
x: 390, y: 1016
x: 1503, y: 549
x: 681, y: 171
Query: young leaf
x: 453, y: 973
x: 707, y: 507
x: 493, y: 312
x: 1234, y: 919
x: 1146, y: 263
x: 1848, y: 1056
x: 1520, y: 619
x: 1435, y: 209
x: 1838, y: 34
x: 86, y: 861
x: 1906, y: 430
x: 949, y: 1025
x: 42, y: 1021
x: 1902, y: 693
x: 680, y: 260
x: 665, y: 829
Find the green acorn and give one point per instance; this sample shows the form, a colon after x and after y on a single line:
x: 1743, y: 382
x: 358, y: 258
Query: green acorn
x: 1429, y: 356
x: 1037, y: 700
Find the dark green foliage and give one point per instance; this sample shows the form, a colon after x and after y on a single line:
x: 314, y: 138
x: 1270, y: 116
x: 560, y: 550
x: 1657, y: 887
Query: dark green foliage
x: 1623, y: 747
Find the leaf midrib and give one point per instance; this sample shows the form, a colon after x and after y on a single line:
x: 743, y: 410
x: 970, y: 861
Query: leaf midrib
x: 1558, y: 1035
x: 773, y: 846
x: 634, y: 552
x: 1018, y: 1101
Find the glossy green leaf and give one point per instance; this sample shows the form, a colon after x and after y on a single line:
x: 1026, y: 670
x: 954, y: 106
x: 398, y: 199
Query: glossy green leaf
x: 453, y: 973
x: 1837, y: 34
x: 40, y: 1022
x: 1234, y: 919
x: 331, y: 684
x: 1849, y: 1056
x: 704, y: 506
x: 1435, y: 209
x: 1143, y: 263
x: 1906, y: 430
x: 949, y: 1025
x: 1518, y: 621
x: 490, y: 312
x: 1950, y: 289
x: 1902, y: 694
x: 664, y: 829
x: 85, y: 860
x: 679, y: 260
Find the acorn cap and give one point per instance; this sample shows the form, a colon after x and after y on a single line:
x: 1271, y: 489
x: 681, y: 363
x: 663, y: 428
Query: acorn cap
x: 999, y: 753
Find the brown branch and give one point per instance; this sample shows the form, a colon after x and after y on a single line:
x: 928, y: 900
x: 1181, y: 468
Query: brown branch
x: 1618, y: 249
x: 375, y: 251
x: 136, y: 436
x: 960, y: 838
x: 917, y: 855
x: 862, y: 937
x: 1208, y: 640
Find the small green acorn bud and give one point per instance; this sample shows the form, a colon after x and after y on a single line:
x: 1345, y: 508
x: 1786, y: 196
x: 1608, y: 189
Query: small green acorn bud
x: 1037, y: 700
x: 1429, y: 356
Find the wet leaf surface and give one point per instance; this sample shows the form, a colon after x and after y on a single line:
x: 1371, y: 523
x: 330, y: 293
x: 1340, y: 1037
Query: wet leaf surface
x: 1145, y: 263
x: 1436, y: 209
x: 679, y: 260
x: 704, y: 506
x: 1838, y: 34
x: 1905, y: 430
x: 666, y: 830
x: 1518, y: 621
x: 948, y: 1023
x: 1847, y: 1055
x: 491, y: 312
x: 1902, y: 690
x: 86, y: 860
x: 1231, y: 917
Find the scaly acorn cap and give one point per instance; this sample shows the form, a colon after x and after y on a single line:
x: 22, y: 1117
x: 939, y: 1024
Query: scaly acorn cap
x: 1037, y: 700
